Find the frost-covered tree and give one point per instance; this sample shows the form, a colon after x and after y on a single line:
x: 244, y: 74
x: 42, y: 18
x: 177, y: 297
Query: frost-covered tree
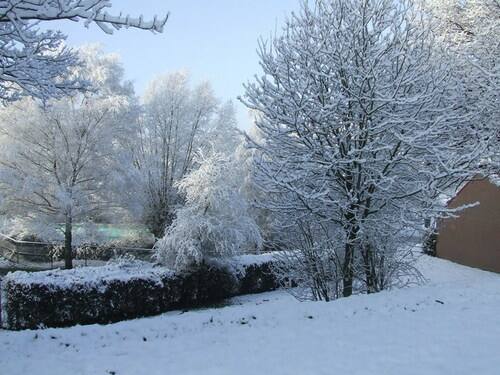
x: 272, y: 235
x: 222, y: 134
x: 55, y: 161
x: 469, y: 29
x: 360, y: 130
x: 214, y: 222
x: 176, y: 121
x: 35, y: 62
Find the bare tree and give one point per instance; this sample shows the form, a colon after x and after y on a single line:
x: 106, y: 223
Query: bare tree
x: 37, y: 63
x: 360, y: 127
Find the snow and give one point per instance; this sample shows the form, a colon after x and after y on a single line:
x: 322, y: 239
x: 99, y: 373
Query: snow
x: 241, y: 262
x: 215, y: 220
x: 35, y: 61
x: 90, y: 276
x: 4, y: 263
x: 76, y: 10
x: 95, y: 275
x: 448, y: 326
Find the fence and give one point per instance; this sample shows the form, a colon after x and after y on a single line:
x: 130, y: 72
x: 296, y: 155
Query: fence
x: 39, y: 255
x: 16, y: 250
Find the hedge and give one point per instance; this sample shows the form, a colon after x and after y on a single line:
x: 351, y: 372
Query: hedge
x: 115, y: 292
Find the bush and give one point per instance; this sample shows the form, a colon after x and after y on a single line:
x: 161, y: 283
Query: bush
x: 124, y: 291
x: 429, y: 242
x: 256, y: 273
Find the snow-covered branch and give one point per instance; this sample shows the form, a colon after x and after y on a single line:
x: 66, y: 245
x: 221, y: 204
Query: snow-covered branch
x: 37, y: 63
x: 17, y: 11
x: 215, y: 221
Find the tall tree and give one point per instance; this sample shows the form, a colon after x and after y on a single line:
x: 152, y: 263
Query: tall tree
x: 55, y: 160
x: 36, y: 63
x: 469, y: 29
x: 174, y: 124
x: 360, y: 128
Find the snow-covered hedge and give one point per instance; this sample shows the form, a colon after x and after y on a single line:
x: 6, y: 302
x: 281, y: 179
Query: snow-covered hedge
x: 117, y: 292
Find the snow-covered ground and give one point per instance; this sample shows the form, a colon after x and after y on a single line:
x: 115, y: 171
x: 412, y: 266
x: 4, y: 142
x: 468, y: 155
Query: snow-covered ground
x: 451, y: 325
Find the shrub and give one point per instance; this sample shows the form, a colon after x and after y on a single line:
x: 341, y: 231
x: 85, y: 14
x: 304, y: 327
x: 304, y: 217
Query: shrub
x: 122, y: 291
x: 256, y: 273
x: 429, y: 242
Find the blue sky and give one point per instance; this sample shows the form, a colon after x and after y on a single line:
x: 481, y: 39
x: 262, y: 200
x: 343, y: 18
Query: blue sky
x: 214, y: 40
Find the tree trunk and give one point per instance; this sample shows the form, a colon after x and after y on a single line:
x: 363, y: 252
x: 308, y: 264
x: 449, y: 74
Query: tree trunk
x: 369, y: 269
x: 347, y: 272
x: 68, y: 243
x: 347, y: 268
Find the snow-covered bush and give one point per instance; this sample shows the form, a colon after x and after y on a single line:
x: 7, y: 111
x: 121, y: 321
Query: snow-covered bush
x: 387, y: 260
x: 215, y: 221
x: 310, y: 273
x: 124, y: 290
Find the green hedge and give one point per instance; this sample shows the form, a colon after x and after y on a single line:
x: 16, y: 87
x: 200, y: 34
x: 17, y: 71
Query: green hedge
x: 117, y: 292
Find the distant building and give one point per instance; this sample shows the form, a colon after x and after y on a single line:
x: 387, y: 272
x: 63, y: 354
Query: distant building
x: 473, y: 239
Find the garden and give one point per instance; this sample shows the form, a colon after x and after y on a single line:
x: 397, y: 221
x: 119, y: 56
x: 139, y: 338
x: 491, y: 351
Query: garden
x: 274, y: 212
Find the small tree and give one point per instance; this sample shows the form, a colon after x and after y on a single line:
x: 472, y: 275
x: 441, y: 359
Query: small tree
x: 214, y: 221
x: 36, y: 63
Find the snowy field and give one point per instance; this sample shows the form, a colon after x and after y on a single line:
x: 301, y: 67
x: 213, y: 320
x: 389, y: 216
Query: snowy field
x: 451, y: 325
